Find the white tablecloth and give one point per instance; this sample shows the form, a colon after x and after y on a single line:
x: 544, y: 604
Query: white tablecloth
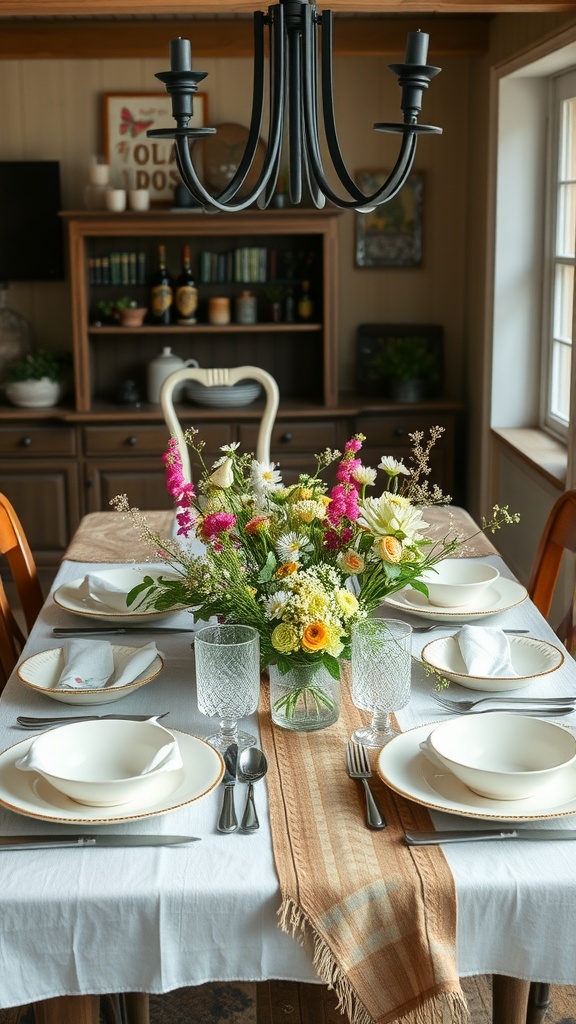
x: 152, y: 920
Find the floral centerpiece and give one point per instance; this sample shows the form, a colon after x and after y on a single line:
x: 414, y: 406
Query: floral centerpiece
x: 300, y: 563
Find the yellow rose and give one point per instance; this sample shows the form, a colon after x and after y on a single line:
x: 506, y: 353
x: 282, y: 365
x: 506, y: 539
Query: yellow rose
x: 284, y: 638
x: 346, y: 602
x: 351, y: 561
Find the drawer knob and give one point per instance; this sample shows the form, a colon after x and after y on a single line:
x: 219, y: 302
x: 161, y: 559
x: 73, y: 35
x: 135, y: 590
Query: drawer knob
x: 400, y: 431
x: 132, y: 441
x: 286, y: 437
x: 26, y: 442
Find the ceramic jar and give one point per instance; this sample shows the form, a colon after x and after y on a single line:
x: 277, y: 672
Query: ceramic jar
x: 160, y: 368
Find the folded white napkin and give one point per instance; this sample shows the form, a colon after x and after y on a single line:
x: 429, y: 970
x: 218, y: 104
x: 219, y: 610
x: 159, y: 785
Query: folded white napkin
x: 100, y: 591
x: 36, y: 760
x: 485, y: 651
x: 93, y: 665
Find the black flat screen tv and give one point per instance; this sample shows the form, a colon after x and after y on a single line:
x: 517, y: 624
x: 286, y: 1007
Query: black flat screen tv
x: 31, y: 238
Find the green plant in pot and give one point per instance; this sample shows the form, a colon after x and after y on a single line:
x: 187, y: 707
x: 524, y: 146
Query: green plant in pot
x: 36, y: 381
x: 410, y: 364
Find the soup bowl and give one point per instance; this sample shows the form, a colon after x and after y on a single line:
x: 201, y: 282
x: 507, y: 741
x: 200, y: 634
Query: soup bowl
x: 455, y: 582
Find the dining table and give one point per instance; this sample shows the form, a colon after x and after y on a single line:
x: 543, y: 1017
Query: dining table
x: 78, y: 923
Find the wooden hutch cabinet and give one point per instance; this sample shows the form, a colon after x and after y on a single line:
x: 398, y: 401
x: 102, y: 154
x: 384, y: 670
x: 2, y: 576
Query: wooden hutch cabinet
x: 57, y: 464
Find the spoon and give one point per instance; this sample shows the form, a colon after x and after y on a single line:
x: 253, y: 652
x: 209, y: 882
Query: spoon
x: 252, y: 765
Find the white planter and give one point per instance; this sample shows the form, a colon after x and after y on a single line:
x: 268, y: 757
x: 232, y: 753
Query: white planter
x: 34, y: 394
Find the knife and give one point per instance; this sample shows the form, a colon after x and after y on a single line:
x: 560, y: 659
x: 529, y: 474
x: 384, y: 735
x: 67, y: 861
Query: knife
x: 31, y: 722
x: 80, y: 842
x: 103, y: 630
x: 463, y: 836
x: 228, y: 822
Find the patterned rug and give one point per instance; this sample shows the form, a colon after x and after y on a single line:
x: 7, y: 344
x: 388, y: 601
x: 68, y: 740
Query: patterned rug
x: 289, y: 1003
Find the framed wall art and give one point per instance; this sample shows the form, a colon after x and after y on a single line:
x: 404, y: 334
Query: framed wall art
x: 391, y: 235
x: 135, y: 160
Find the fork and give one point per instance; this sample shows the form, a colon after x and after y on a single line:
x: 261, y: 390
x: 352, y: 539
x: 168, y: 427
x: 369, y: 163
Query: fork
x: 544, y: 705
x: 359, y: 768
x: 443, y: 625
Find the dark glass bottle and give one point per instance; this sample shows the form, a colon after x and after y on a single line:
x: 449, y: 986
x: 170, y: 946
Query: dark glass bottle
x: 186, y: 298
x: 161, y: 291
x: 305, y: 302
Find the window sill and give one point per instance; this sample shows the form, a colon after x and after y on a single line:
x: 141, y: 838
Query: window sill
x: 537, y: 448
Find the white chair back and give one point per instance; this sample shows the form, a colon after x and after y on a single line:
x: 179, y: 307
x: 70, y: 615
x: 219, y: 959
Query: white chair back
x: 220, y: 377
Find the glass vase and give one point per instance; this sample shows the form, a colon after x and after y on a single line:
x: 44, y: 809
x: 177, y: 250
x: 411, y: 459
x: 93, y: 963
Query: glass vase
x: 305, y: 698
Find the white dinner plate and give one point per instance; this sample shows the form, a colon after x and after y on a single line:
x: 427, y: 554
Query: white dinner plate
x: 500, y: 597
x: 531, y: 659
x: 67, y: 596
x: 42, y: 671
x: 29, y: 794
x: 405, y: 769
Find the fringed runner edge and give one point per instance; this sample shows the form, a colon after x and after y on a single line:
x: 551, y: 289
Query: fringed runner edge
x: 442, y: 1008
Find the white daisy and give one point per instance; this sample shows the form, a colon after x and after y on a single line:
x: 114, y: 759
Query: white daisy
x: 364, y: 475
x: 393, y: 467
x: 275, y: 606
x: 264, y: 477
x: 289, y: 547
x: 231, y: 447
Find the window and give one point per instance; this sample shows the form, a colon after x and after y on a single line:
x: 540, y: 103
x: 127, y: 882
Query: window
x: 561, y: 265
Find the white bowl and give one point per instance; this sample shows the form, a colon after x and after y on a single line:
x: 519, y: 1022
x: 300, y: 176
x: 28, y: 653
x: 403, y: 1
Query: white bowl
x: 99, y: 763
x: 503, y: 756
x: 458, y: 581
x: 530, y: 659
x: 34, y: 394
x: 242, y: 393
x: 42, y: 671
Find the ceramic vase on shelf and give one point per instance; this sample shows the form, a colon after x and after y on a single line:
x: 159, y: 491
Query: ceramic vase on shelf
x: 305, y: 698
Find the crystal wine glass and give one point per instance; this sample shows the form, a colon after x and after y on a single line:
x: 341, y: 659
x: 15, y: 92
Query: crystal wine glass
x: 228, y: 679
x: 381, y: 672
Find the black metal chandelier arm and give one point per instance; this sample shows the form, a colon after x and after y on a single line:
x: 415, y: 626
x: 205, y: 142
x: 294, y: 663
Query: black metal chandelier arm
x: 295, y: 155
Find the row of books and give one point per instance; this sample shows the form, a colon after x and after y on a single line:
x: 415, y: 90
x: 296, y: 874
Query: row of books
x: 246, y: 265
x: 121, y: 268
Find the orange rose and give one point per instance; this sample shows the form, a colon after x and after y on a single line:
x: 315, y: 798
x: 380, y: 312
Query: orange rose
x: 315, y: 637
x: 286, y: 570
x: 390, y: 549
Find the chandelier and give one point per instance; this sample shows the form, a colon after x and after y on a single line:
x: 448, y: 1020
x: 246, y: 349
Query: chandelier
x: 299, y: 83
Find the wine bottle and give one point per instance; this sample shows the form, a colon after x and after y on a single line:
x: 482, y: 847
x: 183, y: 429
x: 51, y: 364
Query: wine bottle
x: 305, y: 302
x: 161, y: 292
x: 186, y: 299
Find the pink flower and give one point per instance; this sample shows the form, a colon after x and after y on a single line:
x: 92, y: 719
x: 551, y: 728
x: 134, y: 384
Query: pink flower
x: 215, y: 523
x: 178, y: 487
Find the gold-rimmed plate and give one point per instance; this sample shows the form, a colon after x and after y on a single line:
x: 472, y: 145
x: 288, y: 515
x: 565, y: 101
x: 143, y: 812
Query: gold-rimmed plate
x: 500, y: 597
x: 405, y: 769
x: 27, y: 793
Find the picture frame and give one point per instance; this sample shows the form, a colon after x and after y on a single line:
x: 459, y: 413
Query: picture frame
x: 390, y: 235
x: 374, y: 366
x: 135, y: 160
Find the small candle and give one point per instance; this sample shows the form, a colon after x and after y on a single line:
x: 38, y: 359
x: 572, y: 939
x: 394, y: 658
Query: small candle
x: 417, y: 48
x: 219, y: 310
x: 180, y: 54
x: 99, y: 174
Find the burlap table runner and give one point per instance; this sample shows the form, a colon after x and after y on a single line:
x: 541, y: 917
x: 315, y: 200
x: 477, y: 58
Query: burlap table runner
x: 379, y: 916
x: 111, y: 537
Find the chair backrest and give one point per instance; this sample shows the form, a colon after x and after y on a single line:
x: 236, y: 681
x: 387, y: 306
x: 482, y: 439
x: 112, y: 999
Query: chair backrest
x: 558, y: 536
x: 220, y: 377
x: 22, y: 567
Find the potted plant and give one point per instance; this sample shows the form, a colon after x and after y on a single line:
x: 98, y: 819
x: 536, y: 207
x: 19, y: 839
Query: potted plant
x: 125, y: 311
x: 35, y: 382
x: 410, y: 364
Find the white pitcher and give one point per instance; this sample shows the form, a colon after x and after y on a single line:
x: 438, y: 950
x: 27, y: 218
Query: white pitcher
x: 160, y: 368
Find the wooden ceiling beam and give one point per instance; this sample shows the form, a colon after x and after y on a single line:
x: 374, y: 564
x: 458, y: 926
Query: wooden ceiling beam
x: 73, y: 8
x: 55, y: 40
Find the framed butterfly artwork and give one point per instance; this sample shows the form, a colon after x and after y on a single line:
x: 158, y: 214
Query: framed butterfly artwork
x: 135, y: 160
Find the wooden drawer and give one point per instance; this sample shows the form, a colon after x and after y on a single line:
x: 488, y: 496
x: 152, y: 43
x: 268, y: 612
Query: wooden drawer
x: 288, y: 436
x: 33, y: 441
x: 144, y: 440
x: 119, y: 440
x: 393, y: 430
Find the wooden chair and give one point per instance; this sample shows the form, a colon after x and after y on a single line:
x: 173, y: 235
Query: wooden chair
x: 220, y: 377
x: 558, y: 536
x: 22, y: 568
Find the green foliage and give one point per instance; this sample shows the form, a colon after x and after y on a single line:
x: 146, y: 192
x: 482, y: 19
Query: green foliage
x: 410, y: 358
x: 35, y: 366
